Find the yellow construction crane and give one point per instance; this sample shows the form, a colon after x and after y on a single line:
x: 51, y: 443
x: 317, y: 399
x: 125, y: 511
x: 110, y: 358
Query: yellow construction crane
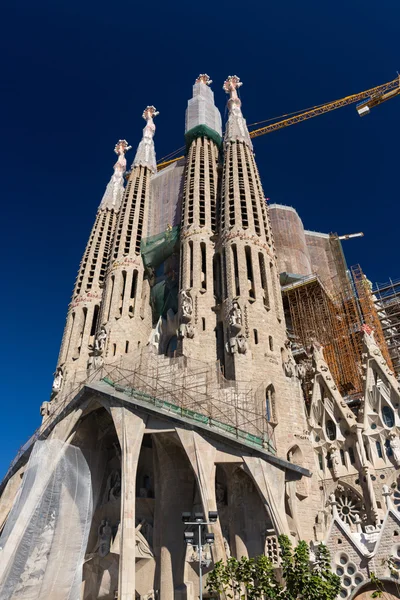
x: 365, y: 101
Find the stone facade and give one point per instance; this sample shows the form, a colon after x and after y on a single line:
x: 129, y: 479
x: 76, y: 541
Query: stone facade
x: 195, y: 402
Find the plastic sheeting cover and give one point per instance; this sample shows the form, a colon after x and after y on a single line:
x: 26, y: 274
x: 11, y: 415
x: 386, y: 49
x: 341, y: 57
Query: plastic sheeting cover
x: 44, y: 541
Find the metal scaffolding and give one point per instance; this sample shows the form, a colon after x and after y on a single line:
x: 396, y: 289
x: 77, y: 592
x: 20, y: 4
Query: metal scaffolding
x: 333, y: 322
x: 336, y: 322
x: 387, y: 302
x: 369, y: 310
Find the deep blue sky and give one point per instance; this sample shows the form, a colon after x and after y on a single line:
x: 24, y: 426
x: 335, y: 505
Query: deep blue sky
x: 76, y: 77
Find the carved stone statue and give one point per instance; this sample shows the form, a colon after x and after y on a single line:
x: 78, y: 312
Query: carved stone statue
x: 235, y: 316
x: 45, y: 409
x: 104, y: 538
x: 335, y: 458
x: 289, y: 366
x: 100, y: 340
x: 241, y: 344
x: 58, y: 379
x: 231, y: 345
x: 144, y: 533
x: 394, y: 442
x: 113, y: 487
x: 186, y: 306
x: 301, y: 370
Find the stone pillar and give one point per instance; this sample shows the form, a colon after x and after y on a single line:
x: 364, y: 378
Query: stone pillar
x: 202, y: 458
x: 270, y: 482
x: 130, y: 429
x: 174, y: 494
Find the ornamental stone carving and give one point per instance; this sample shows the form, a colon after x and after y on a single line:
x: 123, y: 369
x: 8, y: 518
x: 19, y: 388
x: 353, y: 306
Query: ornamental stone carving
x: 58, y: 379
x: 186, y: 306
x: 235, y: 317
x: 101, y: 338
x: 394, y: 442
x: 335, y: 459
x: 104, y: 538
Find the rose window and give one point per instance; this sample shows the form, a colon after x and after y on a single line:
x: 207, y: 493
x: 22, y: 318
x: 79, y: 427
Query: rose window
x: 348, y: 506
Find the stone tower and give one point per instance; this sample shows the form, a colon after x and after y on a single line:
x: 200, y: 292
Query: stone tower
x: 82, y: 318
x: 254, y: 324
x: 199, y: 223
x: 256, y: 344
x: 125, y: 322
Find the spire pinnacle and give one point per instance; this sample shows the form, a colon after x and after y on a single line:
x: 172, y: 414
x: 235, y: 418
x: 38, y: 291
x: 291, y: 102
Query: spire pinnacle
x: 202, y: 116
x: 204, y: 78
x: 236, y: 128
x: 115, y: 189
x: 145, y: 155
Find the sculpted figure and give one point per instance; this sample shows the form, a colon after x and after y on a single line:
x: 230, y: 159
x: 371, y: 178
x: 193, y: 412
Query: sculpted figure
x: 104, y: 539
x: 100, y: 340
x: 58, y: 379
x: 335, y: 458
x: 235, y: 315
x: 301, y: 370
x: 289, y: 366
x: 45, y: 409
x: 231, y: 345
x: 186, y: 305
x: 241, y: 344
x: 394, y: 442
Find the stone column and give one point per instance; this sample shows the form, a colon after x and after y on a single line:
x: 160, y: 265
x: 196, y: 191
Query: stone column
x: 130, y: 429
x: 270, y: 482
x: 174, y: 494
x: 202, y: 458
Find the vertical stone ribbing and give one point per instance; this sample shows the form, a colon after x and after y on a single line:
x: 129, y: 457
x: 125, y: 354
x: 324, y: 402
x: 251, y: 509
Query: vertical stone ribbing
x: 125, y: 313
x: 83, y: 312
x: 199, y: 222
x: 253, y: 307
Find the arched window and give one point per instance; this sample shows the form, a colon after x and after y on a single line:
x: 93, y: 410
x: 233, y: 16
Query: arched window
x: 379, y: 449
x: 388, y: 416
x: 330, y: 428
x: 351, y: 455
x: 342, y: 457
x: 269, y: 402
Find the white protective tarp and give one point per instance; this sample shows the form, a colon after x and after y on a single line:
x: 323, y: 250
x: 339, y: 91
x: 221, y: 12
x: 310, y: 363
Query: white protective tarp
x: 43, y: 544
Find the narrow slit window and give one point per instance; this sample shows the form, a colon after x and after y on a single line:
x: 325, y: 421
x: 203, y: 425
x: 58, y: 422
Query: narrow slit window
x: 255, y: 336
x: 271, y: 343
x: 134, y: 283
x: 111, y: 296
x: 203, y: 323
x: 263, y: 276
x: 126, y: 347
x: 236, y: 269
x: 191, y: 264
x: 203, y: 266
x: 250, y: 278
x: 94, y: 320
x: 217, y: 277
x: 114, y: 349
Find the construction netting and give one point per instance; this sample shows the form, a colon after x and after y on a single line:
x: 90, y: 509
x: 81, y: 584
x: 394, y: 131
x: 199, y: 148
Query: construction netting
x: 43, y: 544
x: 157, y: 248
x: 160, y: 254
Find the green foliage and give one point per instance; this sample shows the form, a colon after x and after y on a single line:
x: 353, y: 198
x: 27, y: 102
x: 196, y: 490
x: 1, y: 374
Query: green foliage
x: 254, y: 578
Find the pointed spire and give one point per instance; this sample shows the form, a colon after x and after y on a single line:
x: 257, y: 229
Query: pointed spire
x: 115, y: 189
x: 201, y: 110
x: 236, y: 128
x: 146, y: 155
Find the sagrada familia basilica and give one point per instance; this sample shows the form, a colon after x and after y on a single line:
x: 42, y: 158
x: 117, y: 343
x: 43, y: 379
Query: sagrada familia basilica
x: 182, y: 386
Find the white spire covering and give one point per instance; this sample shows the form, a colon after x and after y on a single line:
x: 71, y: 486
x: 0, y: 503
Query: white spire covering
x: 115, y: 189
x: 236, y: 128
x: 201, y: 109
x: 146, y: 155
